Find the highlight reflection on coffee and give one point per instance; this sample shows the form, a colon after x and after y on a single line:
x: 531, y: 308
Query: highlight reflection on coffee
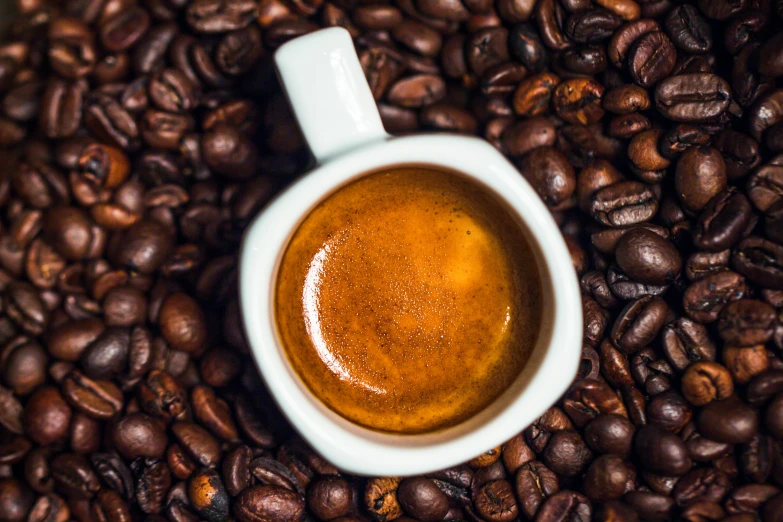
x: 408, y: 300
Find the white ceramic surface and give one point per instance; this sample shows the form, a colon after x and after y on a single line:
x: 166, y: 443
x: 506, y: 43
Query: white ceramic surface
x: 336, y: 111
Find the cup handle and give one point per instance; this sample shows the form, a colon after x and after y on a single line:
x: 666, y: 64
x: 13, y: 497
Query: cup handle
x: 325, y: 84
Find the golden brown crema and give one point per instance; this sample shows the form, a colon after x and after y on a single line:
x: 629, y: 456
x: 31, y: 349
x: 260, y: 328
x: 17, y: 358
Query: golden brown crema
x: 408, y: 300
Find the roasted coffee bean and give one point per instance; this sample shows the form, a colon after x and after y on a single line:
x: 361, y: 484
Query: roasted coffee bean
x: 701, y: 485
x: 236, y: 469
x: 609, y: 478
x: 219, y: 16
x: 213, y: 412
x: 451, y: 118
x: 680, y: 138
x: 143, y: 247
x: 417, y: 91
x: 229, y: 152
x: 749, y: 498
x: 74, y: 475
x: 684, y: 341
x: 197, y: 442
x: 740, y: 152
x: 534, y: 94
x: 623, y: 203
x: 669, y: 409
x: 61, y: 108
x: 548, y: 171
x: 565, y: 505
x: 651, y: 58
x: 254, y: 424
x: 757, y: 458
x: 721, y: 9
x: 153, y: 480
x: 487, y: 47
x: 639, y: 323
x: 420, y: 498
x: 113, y: 471
x: 626, y: 99
x: 208, y: 496
x: 705, y: 298
x: 330, y: 497
x: 162, y: 396
x: 772, y: 418
x: 585, y: 60
x: 487, y: 458
x: 526, y: 135
x: 526, y: 46
x: 761, y: 261
x: 706, y: 381
x: 643, y: 151
x: 16, y: 500
x: 381, y: 17
x: 763, y: 387
x: 606, y: 240
x: 591, y: 25
x: 661, y: 451
x: 702, y: 449
x: 139, y: 435
x: 578, y: 101
x: 96, y: 399
x: 495, y: 502
x: 46, y: 416
x: 625, y: 36
x: 272, y: 472
x: 534, y: 484
x: 589, y: 398
x: 109, y: 505
x: 72, y: 50
x: 122, y: 30
x: 610, y: 434
x: 746, y: 362
x: 747, y: 322
x: 260, y: 503
x: 702, y: 264
x: 696, y: 97
x: 728, y: 420
x: 25, y: 366
x: 566, y: 453
x: 624, y: 288
x: 539, y: 433
x: 515, y: 453
x: 700, y: 175
x: 502, y: 79
x: 648, y: 258
x: 766, y: 112
x: 723, y: 221
x: 689, y: 31
x: 172, y: 91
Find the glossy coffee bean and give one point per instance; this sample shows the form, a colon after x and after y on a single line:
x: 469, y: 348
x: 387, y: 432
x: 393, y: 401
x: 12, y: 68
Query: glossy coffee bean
x: 661, y: 451
x: 729, y: 420
x: 695, y: 97
x: 46, y: 416
x: 700, y: 175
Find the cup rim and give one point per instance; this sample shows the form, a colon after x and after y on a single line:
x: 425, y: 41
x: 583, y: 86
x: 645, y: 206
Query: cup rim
x: 362, y: 451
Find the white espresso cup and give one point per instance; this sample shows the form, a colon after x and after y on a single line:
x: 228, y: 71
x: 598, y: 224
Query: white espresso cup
x: 339, y: 119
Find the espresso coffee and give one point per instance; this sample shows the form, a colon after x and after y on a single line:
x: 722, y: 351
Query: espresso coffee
x: 409, y: 300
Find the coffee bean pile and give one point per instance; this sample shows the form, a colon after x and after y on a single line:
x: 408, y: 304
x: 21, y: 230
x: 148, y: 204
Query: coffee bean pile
x: 139, y: 137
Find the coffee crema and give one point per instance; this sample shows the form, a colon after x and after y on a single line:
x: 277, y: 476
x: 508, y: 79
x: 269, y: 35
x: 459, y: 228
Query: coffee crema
x: 408, y: 300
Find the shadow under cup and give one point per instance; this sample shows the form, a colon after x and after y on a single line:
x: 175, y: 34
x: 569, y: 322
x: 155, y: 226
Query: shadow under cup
x: 523, y: 378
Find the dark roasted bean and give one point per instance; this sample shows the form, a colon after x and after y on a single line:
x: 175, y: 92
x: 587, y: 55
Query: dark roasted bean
x: 697, y: 97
